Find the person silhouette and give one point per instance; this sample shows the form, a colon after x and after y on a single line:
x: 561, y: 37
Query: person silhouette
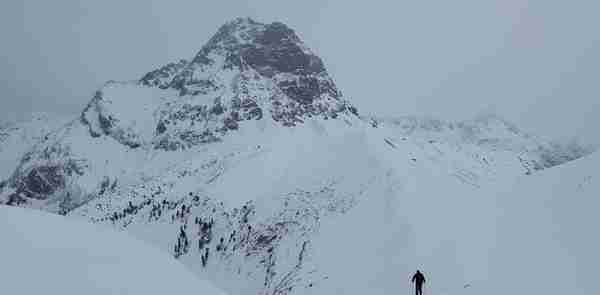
x: 419, y: 279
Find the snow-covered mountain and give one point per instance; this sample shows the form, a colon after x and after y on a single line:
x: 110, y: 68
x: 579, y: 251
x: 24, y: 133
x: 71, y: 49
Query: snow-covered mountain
x: 251, y: 167
x: 490, y: 133
x: 48, y: 254
x: 17, y: 137
x: 247, y: 74
x: 247, y: 71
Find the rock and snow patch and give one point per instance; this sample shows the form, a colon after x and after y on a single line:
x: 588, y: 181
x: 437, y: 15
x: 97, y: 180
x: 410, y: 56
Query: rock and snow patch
x: 17, y: 137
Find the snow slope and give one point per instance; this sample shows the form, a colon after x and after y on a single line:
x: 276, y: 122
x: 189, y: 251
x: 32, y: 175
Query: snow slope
x: 249, y: 166
x: 47, y: 254
x: 525, y: 235
x: 346, y: 212
x: 546, y: 225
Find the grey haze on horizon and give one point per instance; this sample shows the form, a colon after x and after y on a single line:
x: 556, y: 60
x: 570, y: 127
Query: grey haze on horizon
x: 534, y: 62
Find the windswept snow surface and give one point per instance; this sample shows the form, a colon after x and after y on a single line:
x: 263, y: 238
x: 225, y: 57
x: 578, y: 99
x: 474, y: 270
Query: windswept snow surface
x: 42, y: 253
x: 546, y: 234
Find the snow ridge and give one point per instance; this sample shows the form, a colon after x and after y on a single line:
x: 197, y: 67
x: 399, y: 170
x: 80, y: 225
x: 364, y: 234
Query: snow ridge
x: 490, y: 132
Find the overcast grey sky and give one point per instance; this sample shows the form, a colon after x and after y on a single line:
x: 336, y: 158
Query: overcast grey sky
x: 535, y: 62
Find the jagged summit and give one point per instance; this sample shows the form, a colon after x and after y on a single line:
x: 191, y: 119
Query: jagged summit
x: 246, y: 71
x: 261, y: 46
x: 273, y: 50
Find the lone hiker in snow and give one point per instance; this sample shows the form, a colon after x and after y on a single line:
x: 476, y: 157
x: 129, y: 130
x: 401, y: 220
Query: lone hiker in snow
x: 418, y: 278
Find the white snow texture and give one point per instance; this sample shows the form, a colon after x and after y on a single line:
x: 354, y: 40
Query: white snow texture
x: 47, y: 254
x: 223, y: 163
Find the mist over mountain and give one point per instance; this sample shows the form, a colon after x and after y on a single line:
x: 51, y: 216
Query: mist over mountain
x: 250, y: 166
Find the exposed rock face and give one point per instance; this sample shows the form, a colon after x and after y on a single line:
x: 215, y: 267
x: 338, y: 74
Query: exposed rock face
x: 42, y: 181
x: 273, y: 72
x: 162, y: 77
x: 246, y: 71
x: 273, y: 50
x: 101, y: 121
x: 42, y: 178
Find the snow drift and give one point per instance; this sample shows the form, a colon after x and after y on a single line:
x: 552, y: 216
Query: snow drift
x: 46, y: 254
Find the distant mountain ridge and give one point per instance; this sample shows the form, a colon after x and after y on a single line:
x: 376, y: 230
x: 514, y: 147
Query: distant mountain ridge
x: 491, y: 132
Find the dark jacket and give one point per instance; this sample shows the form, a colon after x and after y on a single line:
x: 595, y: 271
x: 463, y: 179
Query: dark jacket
x: 418, y: 278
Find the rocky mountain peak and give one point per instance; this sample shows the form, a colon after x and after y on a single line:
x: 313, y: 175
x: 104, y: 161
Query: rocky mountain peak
x: 246, y: 71
x: 269, y: 48
x: 235, y: 33
x: 273, y: 50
